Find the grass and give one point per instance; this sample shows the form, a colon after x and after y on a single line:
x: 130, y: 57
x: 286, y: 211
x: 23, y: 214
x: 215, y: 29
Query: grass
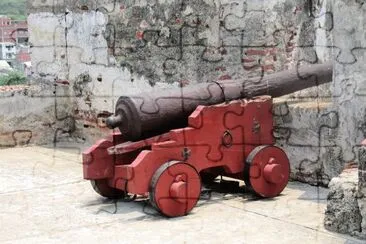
x: 15, y: 9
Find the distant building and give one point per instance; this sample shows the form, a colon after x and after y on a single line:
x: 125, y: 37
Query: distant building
x: 15, y: 31
x: 8, y: 51
x: 23, y: 54
x: 14, y: 48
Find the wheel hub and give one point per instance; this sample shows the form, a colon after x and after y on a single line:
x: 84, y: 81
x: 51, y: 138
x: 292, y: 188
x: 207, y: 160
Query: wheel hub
x: 273, y: 173
x: 178, y: 191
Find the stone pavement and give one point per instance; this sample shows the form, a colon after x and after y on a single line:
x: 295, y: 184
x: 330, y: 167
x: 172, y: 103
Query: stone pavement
x: 44, y: 199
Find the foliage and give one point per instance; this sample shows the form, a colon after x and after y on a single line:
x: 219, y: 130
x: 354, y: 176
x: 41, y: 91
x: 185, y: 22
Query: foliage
x: 15, y: 9
x: 13, y: 78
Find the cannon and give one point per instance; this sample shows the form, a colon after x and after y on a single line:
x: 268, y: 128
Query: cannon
x: 170, y: 142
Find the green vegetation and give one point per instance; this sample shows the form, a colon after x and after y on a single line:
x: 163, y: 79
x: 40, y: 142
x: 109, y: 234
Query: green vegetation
x: 13, y: 78
x: 15, y: 9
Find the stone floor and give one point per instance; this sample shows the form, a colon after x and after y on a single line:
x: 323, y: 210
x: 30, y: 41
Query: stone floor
x: 44, y: 199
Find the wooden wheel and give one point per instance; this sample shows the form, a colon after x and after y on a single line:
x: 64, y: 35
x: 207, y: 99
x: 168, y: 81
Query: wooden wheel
x: 267, y: 171
x: 175, y: 189
x: 103, y: 189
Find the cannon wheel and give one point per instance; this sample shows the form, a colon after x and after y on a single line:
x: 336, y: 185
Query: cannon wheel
x: 103, y: 189
x: 175, y: 189
x: 267, y: 171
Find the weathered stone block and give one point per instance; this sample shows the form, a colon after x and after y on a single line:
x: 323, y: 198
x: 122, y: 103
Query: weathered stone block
x: 362, y: 168
x: 362, y: 186
x: 33, y: 115
x: 346, y: 209
x: 307, y: 131
x: 343, y: 213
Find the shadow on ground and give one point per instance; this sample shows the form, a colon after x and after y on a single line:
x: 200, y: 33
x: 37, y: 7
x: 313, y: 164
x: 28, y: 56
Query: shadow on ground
x: 219, y: 191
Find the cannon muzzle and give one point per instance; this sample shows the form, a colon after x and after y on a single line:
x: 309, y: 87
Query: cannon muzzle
x: 114, y: 121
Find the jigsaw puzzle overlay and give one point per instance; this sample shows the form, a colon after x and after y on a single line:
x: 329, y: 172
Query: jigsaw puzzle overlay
x: 86, y: 54
x: 96, y: 52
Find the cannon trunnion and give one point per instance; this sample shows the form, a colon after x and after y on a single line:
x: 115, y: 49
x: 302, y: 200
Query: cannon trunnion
x: 233, y: 139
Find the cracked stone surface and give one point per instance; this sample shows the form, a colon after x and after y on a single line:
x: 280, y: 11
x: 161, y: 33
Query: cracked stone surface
x: 344, y: 204
x: 44, y: 199
x: 343, y: 214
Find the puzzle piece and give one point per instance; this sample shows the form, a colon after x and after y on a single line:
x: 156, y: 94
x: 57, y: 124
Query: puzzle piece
x: 85, y: 40
x: 52, y: 6
x: 16, y: 138
x: 48, y: 45
x: 253, y: 25
x: 347, y: 36
x: 105, y: 6
x: 317, y: 137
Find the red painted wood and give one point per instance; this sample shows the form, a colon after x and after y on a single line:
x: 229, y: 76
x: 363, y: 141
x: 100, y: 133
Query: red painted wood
x: 217, y: 136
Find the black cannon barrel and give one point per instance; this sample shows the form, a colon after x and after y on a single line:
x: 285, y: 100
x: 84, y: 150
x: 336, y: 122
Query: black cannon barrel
x: 149, y: 114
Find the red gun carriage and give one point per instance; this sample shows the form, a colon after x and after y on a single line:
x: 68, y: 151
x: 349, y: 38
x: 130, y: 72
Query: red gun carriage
x: 233, y: 139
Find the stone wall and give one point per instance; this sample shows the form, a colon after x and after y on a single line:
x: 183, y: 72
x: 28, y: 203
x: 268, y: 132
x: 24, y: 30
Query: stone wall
x: 362, y: 167
x: 361, y: 197
x: 307, y: 129
x: 32, y: 115
x: 104, y: 49
x: 346, y: 202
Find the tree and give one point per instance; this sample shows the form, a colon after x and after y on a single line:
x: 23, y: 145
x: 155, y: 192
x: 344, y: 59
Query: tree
x: 13, y: 78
